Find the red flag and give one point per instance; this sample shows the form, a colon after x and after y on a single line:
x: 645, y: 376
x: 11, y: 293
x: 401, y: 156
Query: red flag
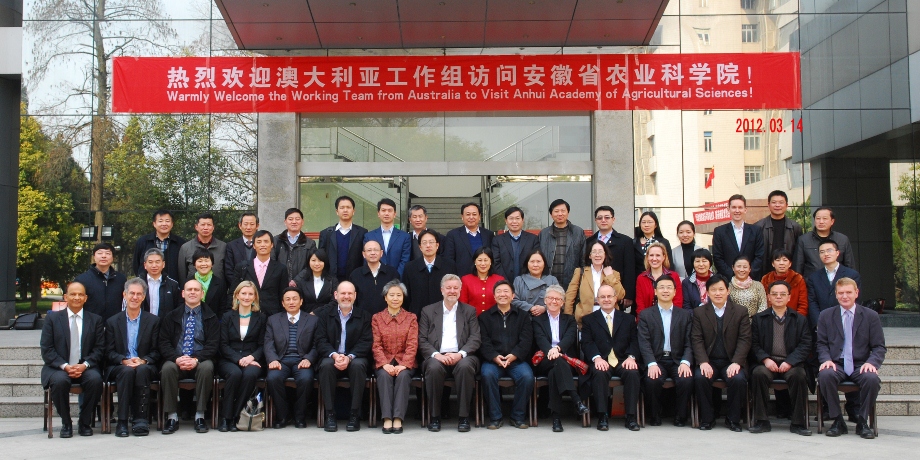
x: 710, y: 176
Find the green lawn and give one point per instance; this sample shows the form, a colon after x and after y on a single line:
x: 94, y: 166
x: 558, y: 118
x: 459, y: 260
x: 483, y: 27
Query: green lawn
x: 43, y: 306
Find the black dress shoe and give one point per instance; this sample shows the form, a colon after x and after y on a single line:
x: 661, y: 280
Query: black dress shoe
x: 140, y: 429
x: 354, y: 423
x: 171, y: 426
x: 67, y: 431
x: 121, y: 429
x: 631, y: 423
x: 331, y: 424
x: 519, y: 424
x: 200, y: 426
x: 863, y: 429
x: 799, y: 430
x: 85, y: 430
x: 602, y: 423
x: 300, y: 423
x: 495, y: 424
x: 838, y: 428
x: 734, y: 426
x: 761, y: 426
x: 705, y: 426
x: 279, y: 424
x: 557, y: 425
x: 233, y: 428
x: 680, y: 421
x: 581, y: 408
x: 435, y: 424
x: 656, y: 421
x: 224, y: 426
x: 463, y: 425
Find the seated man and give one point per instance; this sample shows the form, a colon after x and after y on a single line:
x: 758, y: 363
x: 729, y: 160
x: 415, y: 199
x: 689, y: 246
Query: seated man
x: 853, y: 353
x: 780, y: 359
x: 608, y: 338
x: 721, y: 339
x: 189, y: 339
x: 289, y: 352
x: 448, y: 338
x: 507, y: 337
x: 343, y: 341
x: 664, y: 341
x: 131, y: 344
x: 72, y: 343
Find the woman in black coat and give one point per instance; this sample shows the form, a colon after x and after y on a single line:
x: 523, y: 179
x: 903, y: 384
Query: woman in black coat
x: 242, y: 333
x: 215, y: 288
x: 316, y: 284
x: 648, y: 232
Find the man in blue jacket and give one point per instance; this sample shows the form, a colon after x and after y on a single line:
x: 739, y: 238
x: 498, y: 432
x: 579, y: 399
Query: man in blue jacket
x: 396, y: 243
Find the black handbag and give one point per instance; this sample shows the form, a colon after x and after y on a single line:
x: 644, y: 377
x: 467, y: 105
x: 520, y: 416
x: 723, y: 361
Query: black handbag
x: 25, y: 322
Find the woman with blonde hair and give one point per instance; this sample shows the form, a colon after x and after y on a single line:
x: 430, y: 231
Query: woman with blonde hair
x: 657, y: 264
x: 242, y: 333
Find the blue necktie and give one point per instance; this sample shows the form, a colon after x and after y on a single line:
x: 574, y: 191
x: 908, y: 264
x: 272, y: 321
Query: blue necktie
x: 848, y: 342
x: 188, y: 340
x: 429, y: 267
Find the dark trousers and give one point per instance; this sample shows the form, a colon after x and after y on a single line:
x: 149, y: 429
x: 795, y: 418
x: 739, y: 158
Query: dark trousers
x: 464, y: 374
x: 869, y: 385
x: 204, y: 383
x: 239, y: 383
x: 91, y: 383
x: 521, y: 374
x: 737, y: 391
x: 133, y: 385
x: 761, y: 378
x: 394, y: 393
x: 600, y: 387
x: 275, y: 384
x: 559, y: 377
x: 328, y: 375
x: 683, y: 387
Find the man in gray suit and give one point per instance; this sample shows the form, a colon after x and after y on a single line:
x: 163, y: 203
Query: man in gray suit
x: 851, y: 347
x: 448, y: 338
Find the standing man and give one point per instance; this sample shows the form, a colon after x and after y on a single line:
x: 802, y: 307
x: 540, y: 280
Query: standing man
x: 418, y: 222
x: 204, y: 239
x: 370, y: 279
x: 851, y: 347
x: 448, y: 338
x: 461, y: 242
x: 510, y: 248
x: 563, y: 243
x: 132, y: 341
x: 507, y: 338
x: 737, y: 238
x: 343, y: 241
x: 721, y: 338
x: 240, y: 250
x: 292, y: 248
x: 609, y: 338
x: 821, y: 284
x: 163, y: 293
x: 269, y: 275
x: 102, y: 283
x: 780, y: 344
x: 189, y: 338
x: 72, y: 346
x: 396, y: 243
x: 423, y: 275
x: 807, y: 258
x: 621, y: 250
x: 779, y: 231
x: 664, y: 341
x: 163, y: 239
x: 343, y: 340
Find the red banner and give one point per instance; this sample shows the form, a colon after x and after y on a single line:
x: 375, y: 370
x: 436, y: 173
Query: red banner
x: 456, y: 83
x: 712, y: 213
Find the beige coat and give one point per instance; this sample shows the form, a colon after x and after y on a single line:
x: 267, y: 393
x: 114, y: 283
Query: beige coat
x: 582, y: 288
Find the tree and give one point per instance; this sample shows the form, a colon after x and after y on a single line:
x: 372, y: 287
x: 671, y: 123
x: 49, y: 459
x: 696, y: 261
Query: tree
x: 906, y: 240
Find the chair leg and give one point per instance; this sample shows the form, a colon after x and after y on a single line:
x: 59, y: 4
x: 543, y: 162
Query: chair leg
x: 106, y: 408
x: 320, y: 409
x: 160, y: 415
x: 819, y: 408
x: 694, y: 412
x: 49, y: 414
x: 215, y: 402
x: 874, y: 418
x: 586, y: 419
x: 477, y: 396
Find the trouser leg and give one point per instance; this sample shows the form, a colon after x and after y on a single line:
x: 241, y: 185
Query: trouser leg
x: 798, y: 393
x: 251, y: 376
x: 232, y: 375
x: 304, y: 380
x: 435, y: 373
x: 91, y: 383
x: 737, y: 391
x: 124, y: 382
x: 169, y: 386
x: 59, y: 386
x: 761, y: 377
x: 357, y: 375
x: 327, y: 376
x: 465, y: 378
x: 490, y: 389
x: 869, y: 386
x: 274, y: 382
x: 703, y: 388
x: 385, y: 388
x: 204, y: 384
x: 523, y: 387
x: 401, y: 393
x: 683, y: 388
x: 828, y: 379
x: 631, y: 381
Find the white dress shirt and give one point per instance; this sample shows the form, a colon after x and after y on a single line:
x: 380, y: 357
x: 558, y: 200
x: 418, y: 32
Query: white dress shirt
x: 317, y: 285
x: 449, y: 342
x: 340, y: 228
x: 739, y: 233
x: 387, y: 233
x: 832, y: 273
x: 153, y: 293
x: 70, y: 316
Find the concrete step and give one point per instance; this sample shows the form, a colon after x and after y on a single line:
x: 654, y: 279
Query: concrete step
x: 17, y: 352
x: 21, y: 368
x: 32, y: 406
x: 900, y: 367
x: 902, y: 352
x: 13, y: 387
x: 901, y: 385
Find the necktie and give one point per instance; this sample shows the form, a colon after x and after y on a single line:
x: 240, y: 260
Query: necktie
x: 292, y: 320
x: 429, y: 267
x: 611, y: 357
x: 848, y: 342
x: 74, y: 342
x: 188, y: 340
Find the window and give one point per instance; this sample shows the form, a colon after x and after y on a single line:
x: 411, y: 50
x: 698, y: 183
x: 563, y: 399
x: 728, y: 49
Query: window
x: 751, y: 141
x: 707, y: 112
x: 752, y: 174
x: 702, y: 36
x: 704, y: 3
x: 749, y: 33
x: 748, y: 4
x: 707, y: 141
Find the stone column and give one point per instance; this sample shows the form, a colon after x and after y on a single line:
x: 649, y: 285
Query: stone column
x: 279, y: 150
x: 613, y: 166
x: 10, y: 71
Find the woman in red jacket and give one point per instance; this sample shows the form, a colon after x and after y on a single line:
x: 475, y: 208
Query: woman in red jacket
x: 656, y: 265
x: 782, y: 270
x: 477, y: 286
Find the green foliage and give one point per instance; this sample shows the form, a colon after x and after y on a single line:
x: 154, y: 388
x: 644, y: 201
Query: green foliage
x: 802, y: 214
x: 906, y: 247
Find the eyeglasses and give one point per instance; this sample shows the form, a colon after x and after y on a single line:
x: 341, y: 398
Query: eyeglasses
x: 597, y: 252
x: 553, y: 299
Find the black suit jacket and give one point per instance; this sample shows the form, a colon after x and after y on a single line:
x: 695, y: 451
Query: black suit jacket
x: 55, y: 342
x: 457, y: 248
x: 736, y: 332
x: 797, y: 337
x: 172, y: 328
x: 170, y: 295
x: 233, y: 348
x: 425, y: 288
x: 273, y: 284
x: 116, y: 339
x: 568, y: 334
x: 597, y: 341
x: 369, y: 289
x: 624, y: 259
x: 327, y: 242
x: 822, y: 294
x: 276, y: 337
x: 503, y: 254
x: 237, y: 253
x: 651, y: 335
x: 725, y: 248
x: 148, y: 241
x: 358, y: 336
x: 868, y: 338
x: 416, y: 251
x: 313, y: 300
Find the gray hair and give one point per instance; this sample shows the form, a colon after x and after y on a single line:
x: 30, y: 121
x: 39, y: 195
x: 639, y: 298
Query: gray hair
x: 557, y: 289
x: 395, y: 283
x: 449, y: 277
x: 154, y: 252
x: 136, y: 282
x: 418, y: 207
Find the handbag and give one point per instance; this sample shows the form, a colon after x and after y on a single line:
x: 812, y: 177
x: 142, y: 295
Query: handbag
x: 252, y: 416
x: 25, y: 321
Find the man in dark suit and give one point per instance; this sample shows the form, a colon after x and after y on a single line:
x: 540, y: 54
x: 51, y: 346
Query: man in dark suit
x: 807, y: 260
x: 608, y: 338
x: 449, y: 351
x: 292, y: 247
x: 103, y: 284
x: 395, y: 243
x: 779, y: 231
x: 269, y: 275
x: 163, y: 293
x: 343, y: 341
x: 131, y: 342
x: 189, y: 339
x: 785, y: 360
x: 418, y: 222
x: 461, y: 242
x: 721, y: 338
x: 290, y: 352
x: 555, y: 335
x: 240, y: 250
x: 510, y: 248
x: 821, y: 284
x: 163, y: 239
x: 621, y: 250
x: 664, y: 341
x: 72, y: 345
x: 422, y: 276
x: 851, y: 347
x: 370, y: 279
x: 736, y: 238
x: 343, y: 240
